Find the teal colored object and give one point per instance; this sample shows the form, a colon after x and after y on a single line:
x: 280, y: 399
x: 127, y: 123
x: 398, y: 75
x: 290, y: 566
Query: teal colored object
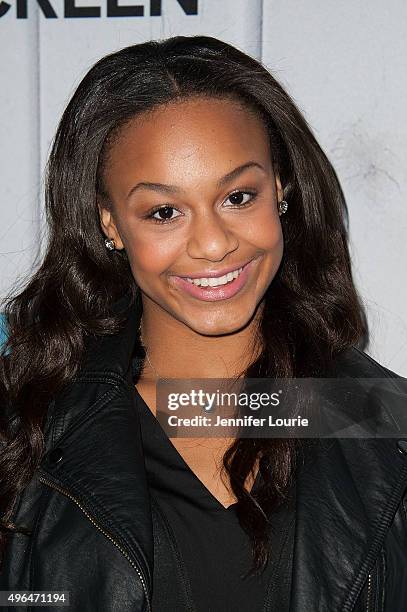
x: 3, y: 330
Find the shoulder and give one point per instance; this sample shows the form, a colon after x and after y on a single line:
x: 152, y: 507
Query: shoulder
x: 355, y: 362
x: 368, y: 393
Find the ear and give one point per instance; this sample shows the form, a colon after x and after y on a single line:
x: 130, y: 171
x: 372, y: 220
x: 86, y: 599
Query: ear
x: 279, y: 189
x: 108, y: 225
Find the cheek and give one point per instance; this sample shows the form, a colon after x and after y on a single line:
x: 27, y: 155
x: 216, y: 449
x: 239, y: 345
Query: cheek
x: 265, y: 232
x: 271, y: 239
x: 276, y: 240
x: 150, y: 258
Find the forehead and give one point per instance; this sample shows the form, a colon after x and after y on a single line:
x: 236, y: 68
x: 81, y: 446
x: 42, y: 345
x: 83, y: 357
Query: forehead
x: 180, y: 134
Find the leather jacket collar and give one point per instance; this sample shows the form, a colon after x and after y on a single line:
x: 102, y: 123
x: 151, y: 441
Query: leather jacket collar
x: 347, y: 490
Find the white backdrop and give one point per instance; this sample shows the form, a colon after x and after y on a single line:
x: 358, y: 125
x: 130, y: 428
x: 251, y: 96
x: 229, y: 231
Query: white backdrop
x: 343, y: 62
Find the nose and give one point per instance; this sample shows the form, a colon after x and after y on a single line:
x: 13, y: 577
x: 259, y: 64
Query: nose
x: 210, y: 238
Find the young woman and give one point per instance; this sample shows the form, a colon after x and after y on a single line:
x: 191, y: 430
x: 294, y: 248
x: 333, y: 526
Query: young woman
x: 196, y: 230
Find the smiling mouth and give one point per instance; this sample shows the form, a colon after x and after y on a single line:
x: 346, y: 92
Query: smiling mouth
x: 202, y: 279
x: 216, y: 288
x: 215, y: 281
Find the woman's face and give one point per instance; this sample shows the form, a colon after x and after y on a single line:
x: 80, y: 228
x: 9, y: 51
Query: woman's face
x: 193, y: 193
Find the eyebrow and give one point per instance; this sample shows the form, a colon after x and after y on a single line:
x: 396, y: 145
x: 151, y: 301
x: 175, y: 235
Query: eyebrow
x: 174, y: 189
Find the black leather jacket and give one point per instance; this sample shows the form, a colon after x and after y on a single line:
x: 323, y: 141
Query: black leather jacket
x: 89, y: 509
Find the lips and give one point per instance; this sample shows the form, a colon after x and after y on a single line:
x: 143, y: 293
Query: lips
x: 215, y: 274
x: 222, y: 292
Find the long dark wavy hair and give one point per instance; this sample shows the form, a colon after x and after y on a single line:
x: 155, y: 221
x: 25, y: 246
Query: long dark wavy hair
x: 311, y: 313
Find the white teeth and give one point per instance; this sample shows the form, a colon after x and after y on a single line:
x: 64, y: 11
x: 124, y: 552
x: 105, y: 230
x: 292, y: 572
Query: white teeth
x: 215, y: 282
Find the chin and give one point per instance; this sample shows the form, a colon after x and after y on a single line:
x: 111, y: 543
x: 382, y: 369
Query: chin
x: 218, y: 328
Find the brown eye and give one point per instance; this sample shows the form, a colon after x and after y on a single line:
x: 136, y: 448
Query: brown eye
x: 237, y: 197
x: 165, y: 214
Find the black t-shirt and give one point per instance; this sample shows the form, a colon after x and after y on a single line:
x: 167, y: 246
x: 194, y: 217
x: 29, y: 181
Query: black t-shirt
x: 200, y: 550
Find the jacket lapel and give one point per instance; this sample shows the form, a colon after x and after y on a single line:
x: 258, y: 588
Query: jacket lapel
x: 102, y: 468
x: 94, y: 428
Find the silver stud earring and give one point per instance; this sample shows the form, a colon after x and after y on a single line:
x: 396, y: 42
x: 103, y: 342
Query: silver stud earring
x: 110, y: 244
x: 282, y: 207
